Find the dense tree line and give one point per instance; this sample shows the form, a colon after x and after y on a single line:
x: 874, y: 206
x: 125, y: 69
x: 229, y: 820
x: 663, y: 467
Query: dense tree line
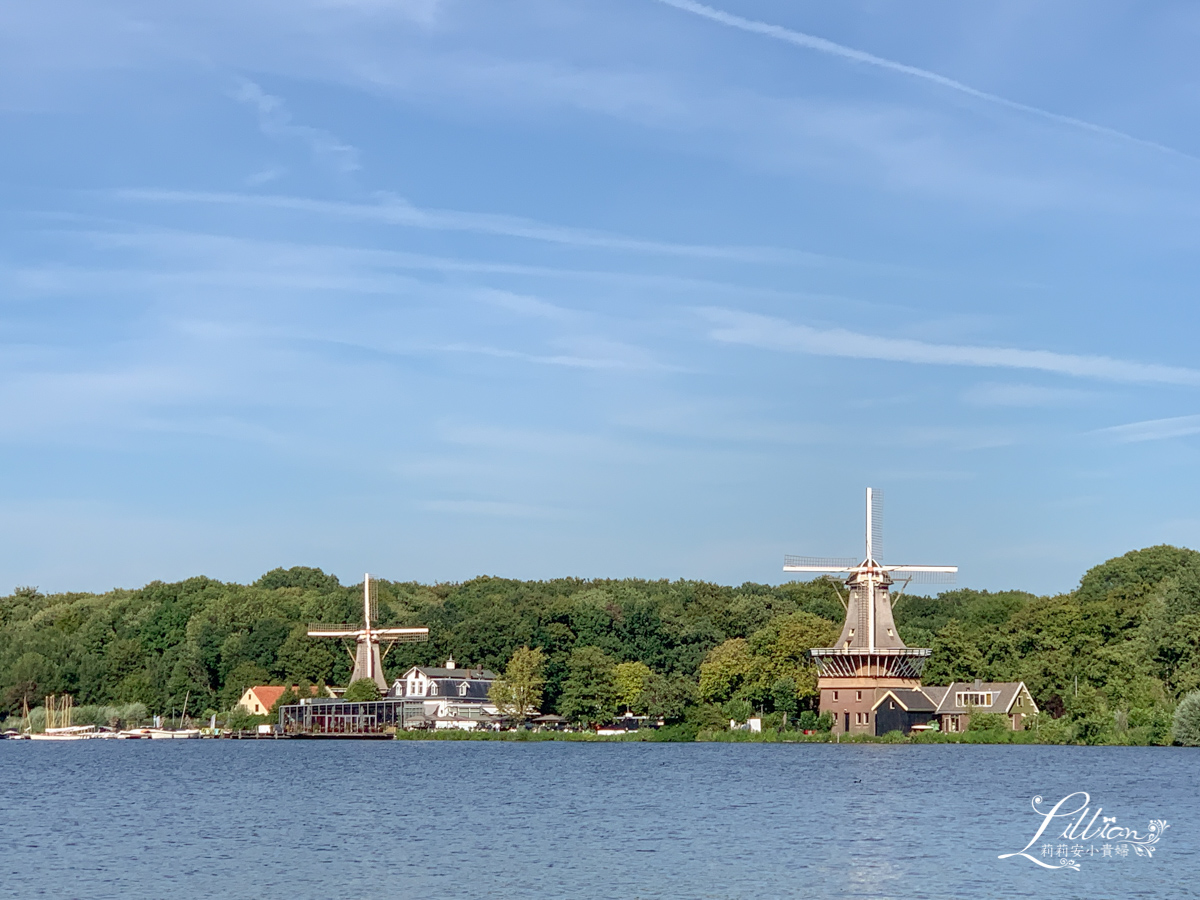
x: 1107, y: 661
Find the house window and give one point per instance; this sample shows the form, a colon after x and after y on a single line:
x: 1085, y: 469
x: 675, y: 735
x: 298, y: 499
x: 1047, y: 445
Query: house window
x: 462, y: 689
x: 433, y: 689
x: 866, y: 718
x: 835, y: 695
x: 973, y: 698
x: 858, y: 695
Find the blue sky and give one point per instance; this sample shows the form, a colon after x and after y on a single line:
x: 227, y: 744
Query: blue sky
x: 441, y: 288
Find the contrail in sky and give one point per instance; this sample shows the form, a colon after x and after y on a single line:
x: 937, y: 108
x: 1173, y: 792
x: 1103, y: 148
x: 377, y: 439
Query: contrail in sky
x: 770, y: 333
x: 821, y: 45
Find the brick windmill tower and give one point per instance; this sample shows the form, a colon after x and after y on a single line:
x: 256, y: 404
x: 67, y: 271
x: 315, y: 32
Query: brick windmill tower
x: 869, y: 657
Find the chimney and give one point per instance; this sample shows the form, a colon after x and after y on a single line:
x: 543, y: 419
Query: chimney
x: 978, y: 684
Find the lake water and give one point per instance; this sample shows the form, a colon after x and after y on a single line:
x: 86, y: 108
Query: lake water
x: 433, y: 819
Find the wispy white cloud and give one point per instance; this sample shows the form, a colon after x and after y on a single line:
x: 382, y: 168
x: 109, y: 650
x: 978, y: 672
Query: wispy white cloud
x: 491, y: 508
x: 424, y: 12
x: 952, y: 437
x: 822, y: 45
x: 271, y: 173
x: 596, y: 354
x: 532, y: 307
x: 1153, y: 429
x: 734, y: 327
x: 1024, y: 395
x: 274, y: 120
x: 392, y: 210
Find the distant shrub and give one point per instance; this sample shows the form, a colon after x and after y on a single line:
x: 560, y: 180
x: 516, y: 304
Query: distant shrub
x: 364, y: 689
x: 684, y: 732
x: 988, y: 722
x: 738, y: 710
x: 1185, y: 729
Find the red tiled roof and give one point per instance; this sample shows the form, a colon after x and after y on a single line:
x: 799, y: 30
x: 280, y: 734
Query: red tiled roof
x: 267, y: 694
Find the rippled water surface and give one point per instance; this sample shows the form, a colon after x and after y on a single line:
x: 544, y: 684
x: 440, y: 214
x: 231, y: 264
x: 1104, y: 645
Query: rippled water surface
x: 298, y: 820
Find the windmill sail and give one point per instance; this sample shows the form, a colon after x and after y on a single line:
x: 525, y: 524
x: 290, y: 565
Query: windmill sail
x: 368, y: 662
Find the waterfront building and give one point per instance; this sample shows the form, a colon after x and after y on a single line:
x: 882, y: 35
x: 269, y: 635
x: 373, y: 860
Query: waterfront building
x: 319, y: 717
x: 259, y: 699
x: 958, y: 701
x: 950, y: 707
x: 437, y: 697
x: 450, y: 695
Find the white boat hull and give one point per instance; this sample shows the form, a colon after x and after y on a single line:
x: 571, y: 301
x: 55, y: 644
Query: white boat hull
x: 171, y: 734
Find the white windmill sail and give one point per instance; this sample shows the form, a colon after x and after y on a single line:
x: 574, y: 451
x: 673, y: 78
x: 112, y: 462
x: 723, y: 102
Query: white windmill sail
x: 368, y: 661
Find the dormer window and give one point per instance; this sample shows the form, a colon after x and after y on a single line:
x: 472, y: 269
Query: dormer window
x: 433, y: 689
x: 973, y: 698
x: 462, y: 689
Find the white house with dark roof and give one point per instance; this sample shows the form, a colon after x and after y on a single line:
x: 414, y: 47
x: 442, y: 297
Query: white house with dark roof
x: 452, y: 695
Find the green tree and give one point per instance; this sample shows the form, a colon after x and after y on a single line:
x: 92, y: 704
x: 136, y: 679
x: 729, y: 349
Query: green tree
x: 287, y: 698
x: 725, y: 670
x: 590, y: 692
x: 738, y: 710
x: 784, y: 696
x: 245, y: 675
x: 956, y: 656
x: 632, y: 679
x: 1185, y: 727
x: 362, y: 690
x: 518, y: 694
x: 28, y: 677
x: 240, y: 719
x: 668, y: 698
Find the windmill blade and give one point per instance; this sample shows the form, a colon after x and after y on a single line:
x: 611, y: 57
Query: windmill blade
x: 876, y: 522
x: 816, y: 564
x: 343, y: 629
x: 402, y: 635
x: 924, y: 574
x: 372, y: 601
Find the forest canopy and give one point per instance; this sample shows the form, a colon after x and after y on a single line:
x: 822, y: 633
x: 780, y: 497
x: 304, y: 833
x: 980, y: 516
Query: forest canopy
x: 1113, y: 656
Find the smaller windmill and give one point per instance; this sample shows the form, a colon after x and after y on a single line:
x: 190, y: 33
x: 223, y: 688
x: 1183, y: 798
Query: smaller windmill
x: 368, y: 662
x: 869, y: 645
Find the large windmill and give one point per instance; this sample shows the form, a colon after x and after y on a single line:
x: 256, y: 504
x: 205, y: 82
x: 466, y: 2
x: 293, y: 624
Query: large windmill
x: 869, y: 655
x: 368, y: 662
